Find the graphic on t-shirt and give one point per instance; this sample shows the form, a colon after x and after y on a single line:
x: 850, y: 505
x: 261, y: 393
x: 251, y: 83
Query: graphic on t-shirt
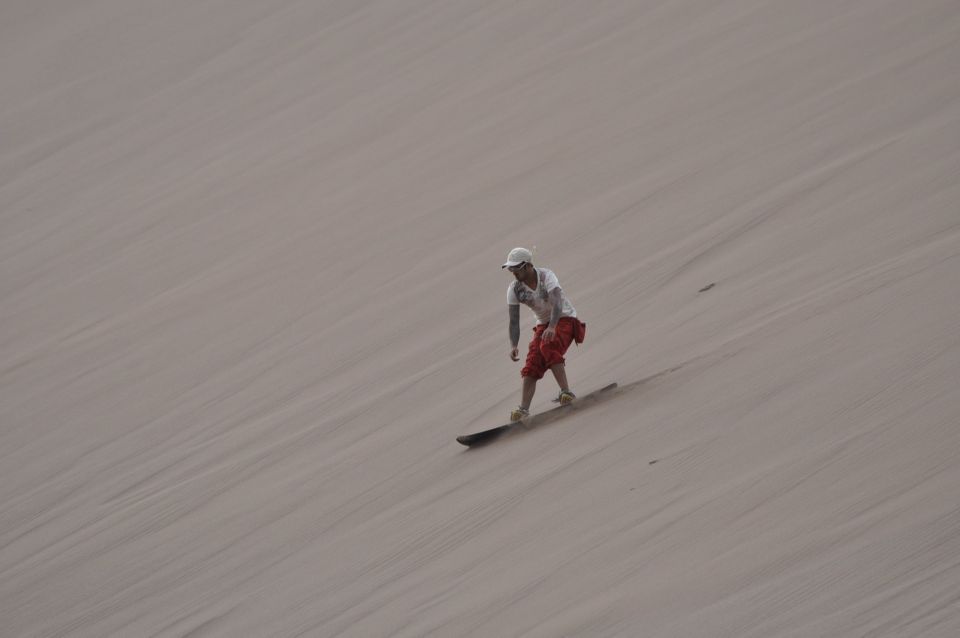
x: 538, y: 300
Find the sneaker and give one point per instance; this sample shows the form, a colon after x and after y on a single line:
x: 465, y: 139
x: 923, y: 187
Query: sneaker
x: 566, y: 397
x: 519, y: 414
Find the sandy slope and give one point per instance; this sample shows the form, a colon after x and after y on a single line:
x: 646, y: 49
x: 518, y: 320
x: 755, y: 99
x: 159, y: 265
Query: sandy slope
x: 249, y: 267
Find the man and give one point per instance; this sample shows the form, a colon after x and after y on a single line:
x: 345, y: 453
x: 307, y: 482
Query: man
x: 557, y: 327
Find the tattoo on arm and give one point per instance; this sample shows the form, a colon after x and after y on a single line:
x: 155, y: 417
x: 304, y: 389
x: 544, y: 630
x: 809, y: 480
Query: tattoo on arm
x: 556, y: 297
x: 514, y: 312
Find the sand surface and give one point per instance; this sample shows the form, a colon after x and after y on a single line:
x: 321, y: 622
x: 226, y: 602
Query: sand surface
x: 250, y: 293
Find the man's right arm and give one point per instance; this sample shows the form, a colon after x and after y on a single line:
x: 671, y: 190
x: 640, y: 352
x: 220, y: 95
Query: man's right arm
x: 514, y: 312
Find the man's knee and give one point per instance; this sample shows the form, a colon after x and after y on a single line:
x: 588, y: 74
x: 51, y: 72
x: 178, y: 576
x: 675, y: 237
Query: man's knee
x: 552, y: 353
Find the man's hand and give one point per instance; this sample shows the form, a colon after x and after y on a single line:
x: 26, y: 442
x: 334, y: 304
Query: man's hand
x: 549, y: 334
x: 515, y: 354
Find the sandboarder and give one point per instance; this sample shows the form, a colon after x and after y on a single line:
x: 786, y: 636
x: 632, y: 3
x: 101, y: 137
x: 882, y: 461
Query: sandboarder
x: 557, y: 327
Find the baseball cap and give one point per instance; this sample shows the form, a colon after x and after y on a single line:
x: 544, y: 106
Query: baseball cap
x: 518, y: 256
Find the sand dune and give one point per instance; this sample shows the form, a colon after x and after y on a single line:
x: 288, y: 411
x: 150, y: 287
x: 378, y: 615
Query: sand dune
x: 251, y: 293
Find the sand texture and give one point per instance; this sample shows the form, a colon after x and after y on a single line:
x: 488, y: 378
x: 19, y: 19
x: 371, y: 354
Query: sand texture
x: 250, y: 293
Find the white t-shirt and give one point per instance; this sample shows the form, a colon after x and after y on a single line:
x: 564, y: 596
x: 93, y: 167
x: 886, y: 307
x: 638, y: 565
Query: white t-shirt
x: 537, y: 299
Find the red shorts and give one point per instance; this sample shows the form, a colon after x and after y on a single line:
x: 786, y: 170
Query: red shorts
x: 542, y: 355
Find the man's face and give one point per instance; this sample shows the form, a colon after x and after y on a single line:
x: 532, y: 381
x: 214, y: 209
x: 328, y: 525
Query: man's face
x: 519, y: 270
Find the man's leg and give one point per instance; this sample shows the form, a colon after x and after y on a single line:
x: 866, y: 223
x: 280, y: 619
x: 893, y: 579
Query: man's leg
x: 533, y: 369
x: 553, y: 352
x: 559, y: 371
x: 529, y: 387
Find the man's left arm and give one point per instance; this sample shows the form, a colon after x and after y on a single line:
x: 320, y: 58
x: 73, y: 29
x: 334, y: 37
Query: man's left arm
x: 556, y: 311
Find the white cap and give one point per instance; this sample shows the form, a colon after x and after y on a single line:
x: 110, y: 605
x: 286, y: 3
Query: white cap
x: 518, y: 256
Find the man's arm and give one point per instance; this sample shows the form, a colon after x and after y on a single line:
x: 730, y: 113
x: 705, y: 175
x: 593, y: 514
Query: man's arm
x: 556, y: 311
x: 556, y: 300
x: 514, y: 312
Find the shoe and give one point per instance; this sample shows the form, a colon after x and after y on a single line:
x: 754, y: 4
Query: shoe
x: 519, y: 415
x: 566, y: 397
